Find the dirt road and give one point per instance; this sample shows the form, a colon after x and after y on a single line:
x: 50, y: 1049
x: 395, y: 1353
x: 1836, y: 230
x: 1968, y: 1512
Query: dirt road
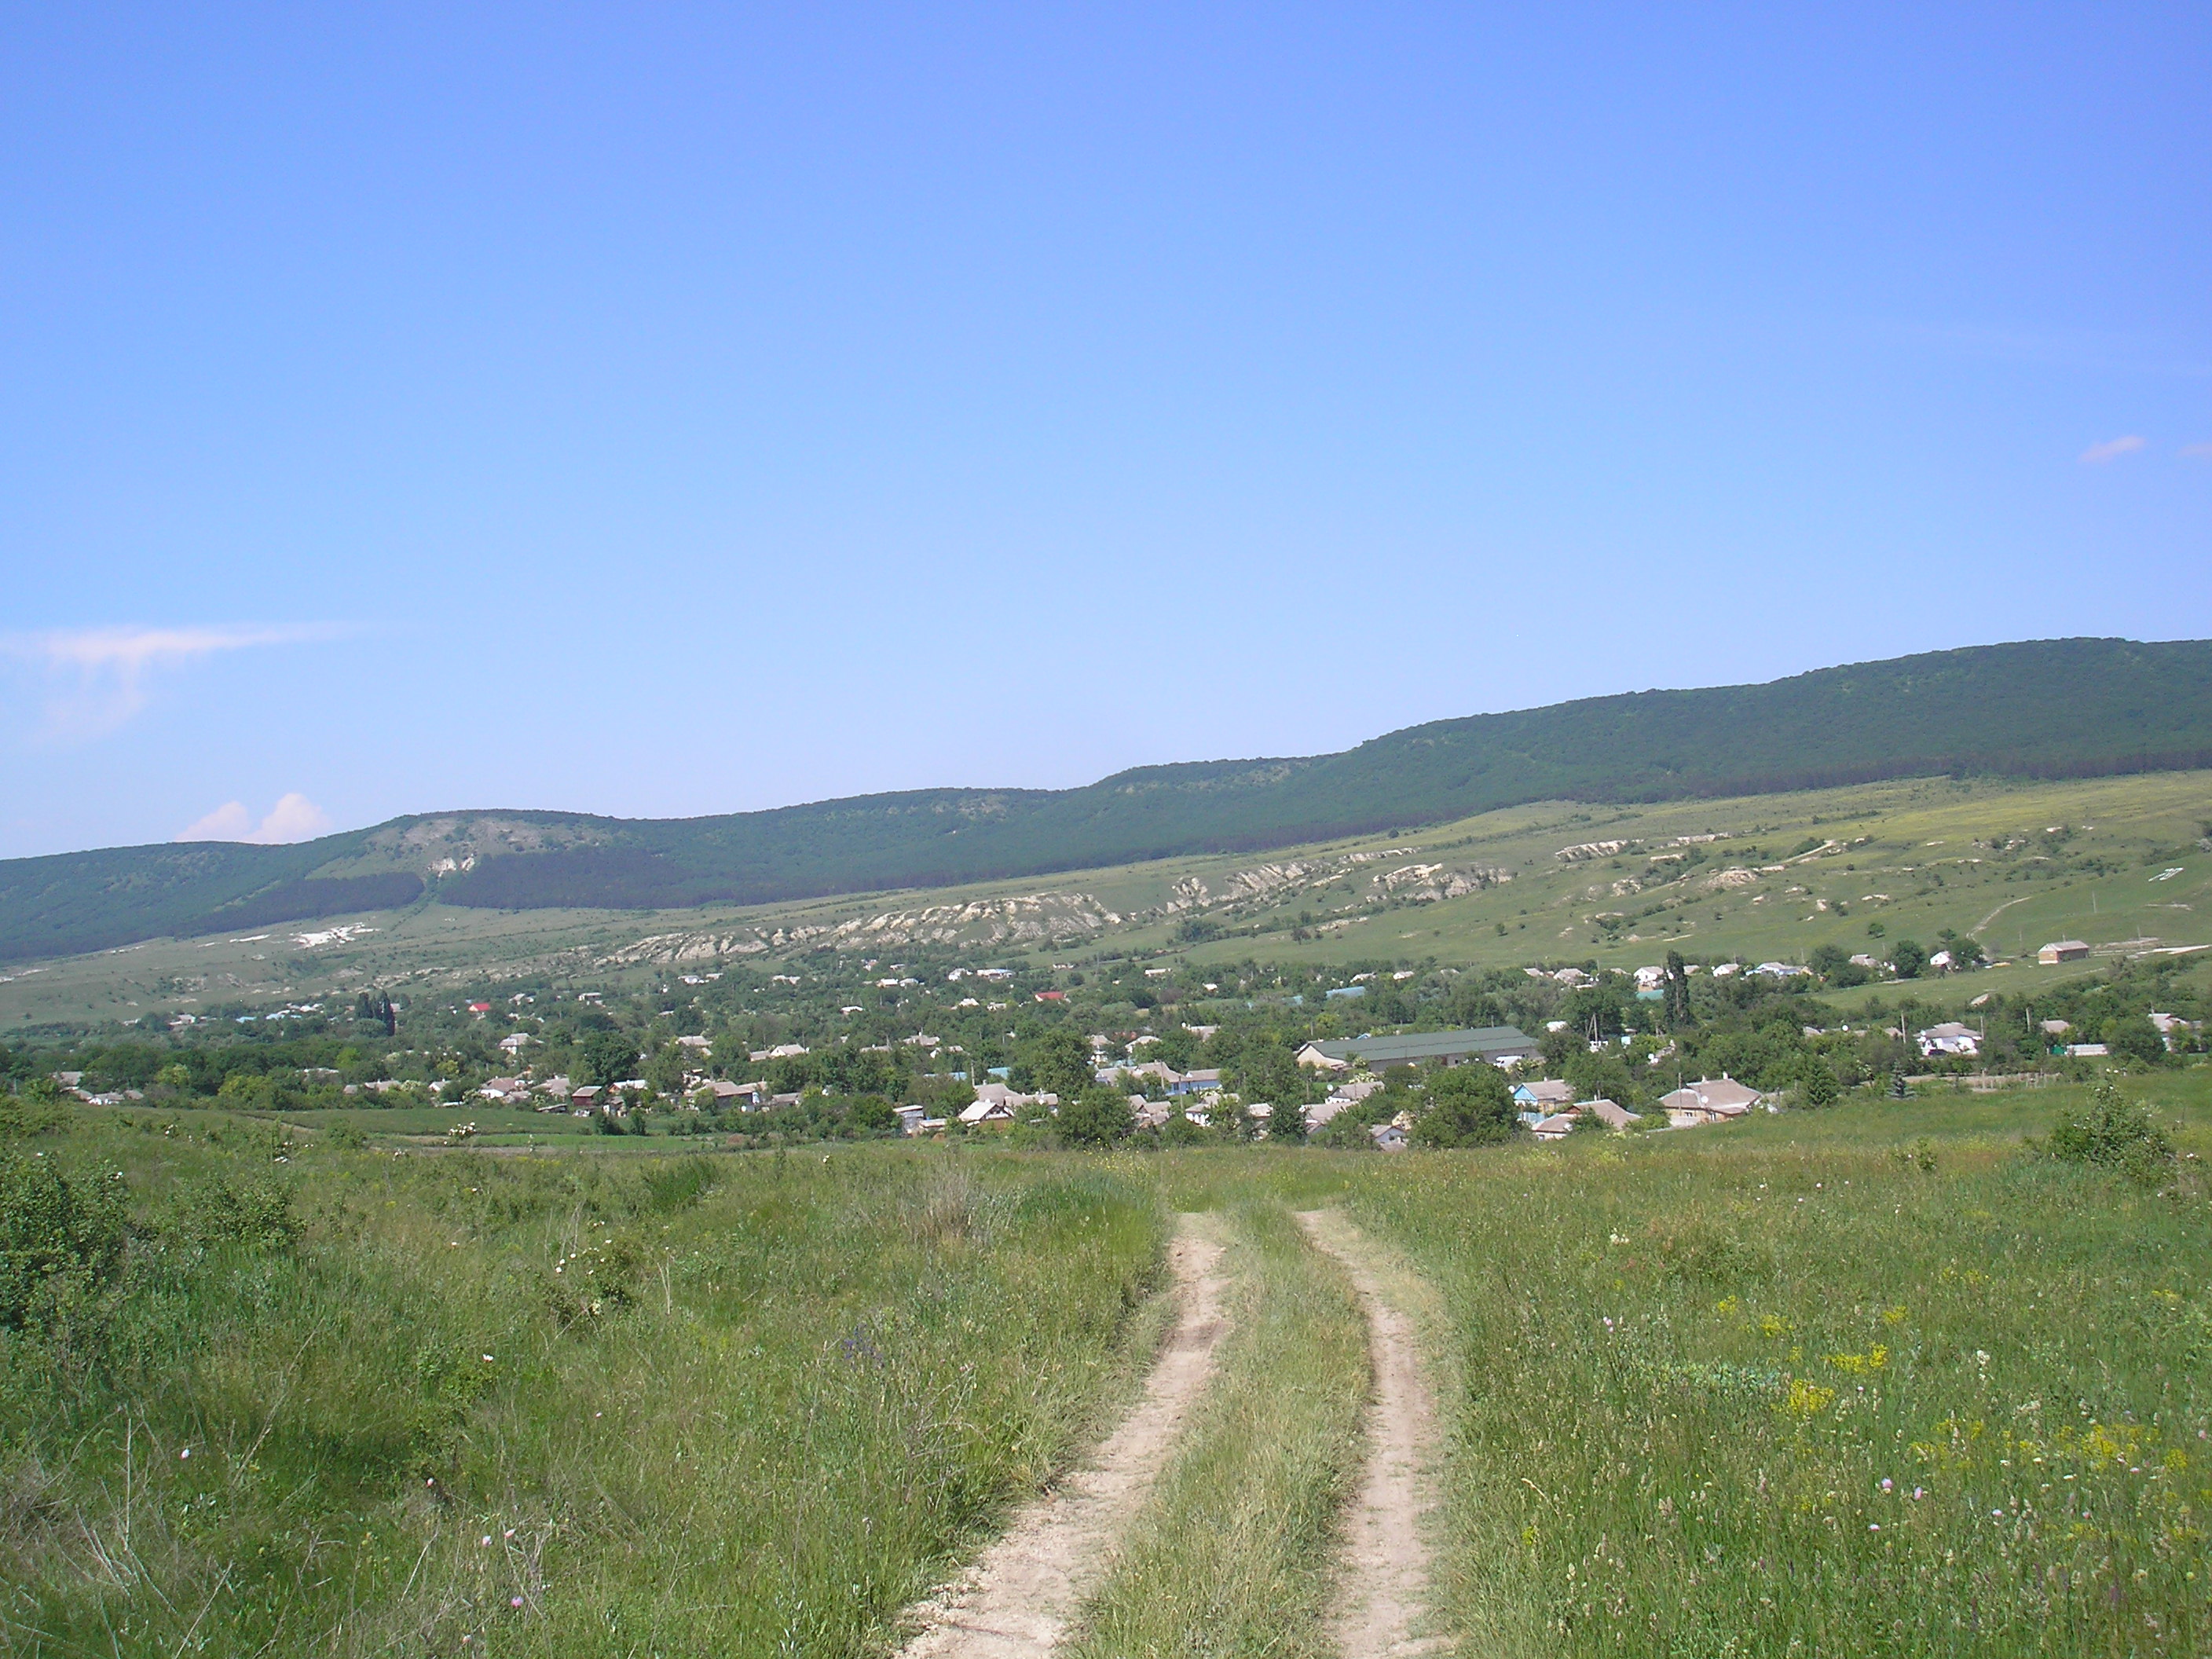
x: 1386, y: 1564
x: 1015, y: 1601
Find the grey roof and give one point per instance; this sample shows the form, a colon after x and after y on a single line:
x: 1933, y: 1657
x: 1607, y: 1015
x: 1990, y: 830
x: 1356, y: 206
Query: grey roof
x: 1486, y: 1041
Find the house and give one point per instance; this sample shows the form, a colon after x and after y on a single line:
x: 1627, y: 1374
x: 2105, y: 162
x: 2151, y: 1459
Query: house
x: 1320, y: 1117
x: 995, y: 1103
x: 583, y: 1102
x: 1709, y: 1101
x: 1614, y: 1117
x: 1543, y: 1097
x: 916, y: 1120
x: 2063, y: 949
x: 1208, y: 1080
x: 2087, y: 1050
x: 2057, y: 1027
x: 1557, y: 1126
x: 698, y: 1044
x: 1949, y: 1039
x: 2172, y: 1029
x: 1389, y: 1138
x: 1501, y: 1045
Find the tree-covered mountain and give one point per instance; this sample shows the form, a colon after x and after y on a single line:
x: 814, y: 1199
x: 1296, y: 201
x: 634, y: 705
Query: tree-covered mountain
x: 2043, y: 709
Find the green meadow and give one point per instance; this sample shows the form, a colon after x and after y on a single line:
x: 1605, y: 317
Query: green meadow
x: 1879, y: 1379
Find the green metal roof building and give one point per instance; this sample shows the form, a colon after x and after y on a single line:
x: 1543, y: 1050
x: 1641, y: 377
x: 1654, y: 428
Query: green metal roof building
x: 1499, y: 1044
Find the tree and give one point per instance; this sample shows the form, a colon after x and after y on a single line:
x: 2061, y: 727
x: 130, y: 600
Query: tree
x: 665, y: 1071
x: 1058, y: 1063
x: 1677, y: 1002
x: 1820, y: 1087
x: 872, y: 1115
x: 2132, y: 1037
x: 1095, y: 1116
x: 606, y: 1057
x: 1469, y: 1105
x: 1907, y: 958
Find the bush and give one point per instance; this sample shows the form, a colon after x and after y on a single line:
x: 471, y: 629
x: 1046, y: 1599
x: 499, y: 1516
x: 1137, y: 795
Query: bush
x: 2113, y: 1133
x: 61, y: 1241
x: 256, y: 1213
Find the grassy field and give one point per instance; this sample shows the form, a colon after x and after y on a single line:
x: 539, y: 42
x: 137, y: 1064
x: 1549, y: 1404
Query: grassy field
x: 1873, y: 1380
x: 354, y: 1404
x: 2015, y: 863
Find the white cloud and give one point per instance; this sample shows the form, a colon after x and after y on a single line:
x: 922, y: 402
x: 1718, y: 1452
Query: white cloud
x: 294, y: 818
x: 104, y: 674
x: 2111, y: 450
x: 2200, y: 452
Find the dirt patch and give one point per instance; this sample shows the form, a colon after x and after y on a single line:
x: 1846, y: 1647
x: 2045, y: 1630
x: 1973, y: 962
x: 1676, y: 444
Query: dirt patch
x: 1015, y: 1601
x: 1386, y: 1555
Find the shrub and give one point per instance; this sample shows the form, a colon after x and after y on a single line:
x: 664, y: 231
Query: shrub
x: 256, y: 1213
x: 61, y: 1241
x: 2113, y: 1133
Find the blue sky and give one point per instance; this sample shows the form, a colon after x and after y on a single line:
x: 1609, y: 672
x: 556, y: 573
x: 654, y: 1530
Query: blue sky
x: 660, y: 411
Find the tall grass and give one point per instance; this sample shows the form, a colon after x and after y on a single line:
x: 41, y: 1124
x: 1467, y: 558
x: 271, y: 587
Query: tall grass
x: 1232, y: 1555
x: 549, y: 1405
x: 1753, y: 1395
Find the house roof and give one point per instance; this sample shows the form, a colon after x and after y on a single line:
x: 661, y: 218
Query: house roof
x: 1487, y: 1041
x: 1722, y: 1094
x: 1545, y: 1089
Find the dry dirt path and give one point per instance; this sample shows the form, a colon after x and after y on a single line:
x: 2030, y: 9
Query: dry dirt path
x: 1017, y: 1600
x: 1386, y: 1558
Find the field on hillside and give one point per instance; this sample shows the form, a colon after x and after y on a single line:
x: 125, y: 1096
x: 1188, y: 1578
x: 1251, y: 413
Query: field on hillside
x: 1872, y: 1380
x: 2118, y: 862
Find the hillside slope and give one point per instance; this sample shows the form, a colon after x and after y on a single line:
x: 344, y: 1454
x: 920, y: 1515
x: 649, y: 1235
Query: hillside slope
x: 2046, y: 709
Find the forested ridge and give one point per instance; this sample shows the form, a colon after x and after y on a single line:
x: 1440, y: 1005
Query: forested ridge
x: 2039, y: 709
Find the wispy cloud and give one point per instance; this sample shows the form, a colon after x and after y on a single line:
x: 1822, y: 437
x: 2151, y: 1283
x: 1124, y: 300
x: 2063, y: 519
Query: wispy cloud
x: 2198, y: 452
x: 294, y: 818
x: 2111, y: 450
x: 98, y: 677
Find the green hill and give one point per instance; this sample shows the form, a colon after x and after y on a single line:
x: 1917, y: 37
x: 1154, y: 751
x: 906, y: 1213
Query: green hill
x: 2041, y: 709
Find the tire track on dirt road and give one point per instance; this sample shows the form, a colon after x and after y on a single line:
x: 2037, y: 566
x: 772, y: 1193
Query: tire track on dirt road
x: 1386, y: 1553
x: 1017, y: 1600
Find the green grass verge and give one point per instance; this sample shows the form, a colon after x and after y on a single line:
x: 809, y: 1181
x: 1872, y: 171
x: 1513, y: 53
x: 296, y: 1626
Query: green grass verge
x: 1232, y: 1555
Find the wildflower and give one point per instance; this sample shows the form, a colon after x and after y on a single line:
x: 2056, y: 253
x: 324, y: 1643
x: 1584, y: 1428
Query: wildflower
x: 1919, y: 1492
x: 187, y: 1452
x: 515, y: 1601
x: 1808, y: 1399
x: 1885, y: 1485
x: 1873, y: 1525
